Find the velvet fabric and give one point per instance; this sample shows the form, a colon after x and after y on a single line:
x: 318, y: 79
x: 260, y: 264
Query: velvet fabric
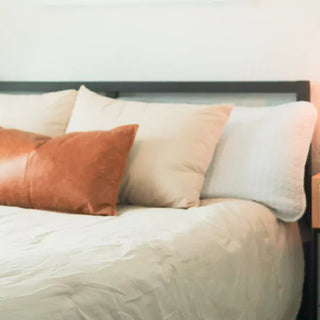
x: 78, y: 172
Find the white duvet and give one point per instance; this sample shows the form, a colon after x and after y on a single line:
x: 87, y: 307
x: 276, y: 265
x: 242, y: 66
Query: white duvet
x: 228, y: 259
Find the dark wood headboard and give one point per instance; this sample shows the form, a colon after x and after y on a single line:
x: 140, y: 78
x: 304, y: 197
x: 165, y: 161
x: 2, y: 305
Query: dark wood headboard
x: 301, y: 90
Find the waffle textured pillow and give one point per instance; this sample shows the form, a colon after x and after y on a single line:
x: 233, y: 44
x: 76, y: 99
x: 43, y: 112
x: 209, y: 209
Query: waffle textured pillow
x: 46, y: 114
x: 261, y: 156
x: 76, y: 172
x: 172, y: 150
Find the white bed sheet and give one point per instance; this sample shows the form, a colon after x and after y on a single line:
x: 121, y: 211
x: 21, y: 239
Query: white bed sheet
x: 228, y: 259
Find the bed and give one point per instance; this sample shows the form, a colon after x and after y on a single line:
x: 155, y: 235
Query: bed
x: 227, y: 259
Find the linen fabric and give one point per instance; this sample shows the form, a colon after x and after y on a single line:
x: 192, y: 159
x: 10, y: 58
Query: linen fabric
x: 46, y: 114
x: 227, y: 259
x: 261, y: 156
x: 172, y: 150
x: 76, y: 172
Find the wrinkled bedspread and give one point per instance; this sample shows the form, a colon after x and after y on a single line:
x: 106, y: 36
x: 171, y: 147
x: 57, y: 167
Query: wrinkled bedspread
x: 228, y: 259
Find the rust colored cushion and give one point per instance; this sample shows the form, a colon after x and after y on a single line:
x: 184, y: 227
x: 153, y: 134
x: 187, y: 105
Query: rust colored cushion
x: 77, y: 172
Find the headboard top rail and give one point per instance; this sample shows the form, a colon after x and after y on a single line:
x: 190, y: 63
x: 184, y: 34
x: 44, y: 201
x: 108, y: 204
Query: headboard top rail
x: 301, y: 88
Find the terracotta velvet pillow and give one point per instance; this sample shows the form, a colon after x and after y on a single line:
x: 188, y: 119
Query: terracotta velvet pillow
x: 77, y: 172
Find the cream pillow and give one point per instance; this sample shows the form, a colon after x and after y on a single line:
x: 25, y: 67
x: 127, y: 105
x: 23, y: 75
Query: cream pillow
x: 46, y: 114
x: 172, y: 150
x: 261, y: 156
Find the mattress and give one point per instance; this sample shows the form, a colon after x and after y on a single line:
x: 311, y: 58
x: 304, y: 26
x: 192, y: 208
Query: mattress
x: 227, y: 259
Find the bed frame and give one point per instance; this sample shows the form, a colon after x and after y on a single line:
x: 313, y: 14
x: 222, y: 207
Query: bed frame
x: 301, y: 89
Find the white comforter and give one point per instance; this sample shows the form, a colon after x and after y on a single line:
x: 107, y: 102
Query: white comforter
x: 228, y: 259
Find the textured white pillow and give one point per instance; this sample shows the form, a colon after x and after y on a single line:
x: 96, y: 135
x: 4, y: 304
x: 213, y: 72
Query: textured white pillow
x: 46, y: 113
x: 173, y: 147
x: 261, y: 156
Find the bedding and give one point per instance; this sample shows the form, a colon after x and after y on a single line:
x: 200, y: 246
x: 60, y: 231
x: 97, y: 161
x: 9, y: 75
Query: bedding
x: 227, y: 259
x: 78, y: 172
x: 46, y: 114
x: 172, y: 149
x: 261, y: 156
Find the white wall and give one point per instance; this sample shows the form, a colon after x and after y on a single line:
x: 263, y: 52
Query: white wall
x: 258, y: 40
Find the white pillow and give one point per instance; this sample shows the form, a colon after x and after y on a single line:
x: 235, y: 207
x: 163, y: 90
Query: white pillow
x: 46, y: 114
x: 173, y: 147
x: 261, y: 156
